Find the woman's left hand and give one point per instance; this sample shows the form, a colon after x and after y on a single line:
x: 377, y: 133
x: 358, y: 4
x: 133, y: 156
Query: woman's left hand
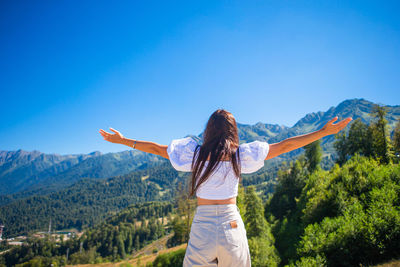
x: 331, y: 128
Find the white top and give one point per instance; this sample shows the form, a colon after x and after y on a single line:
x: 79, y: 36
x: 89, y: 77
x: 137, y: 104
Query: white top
x: 252, y: 156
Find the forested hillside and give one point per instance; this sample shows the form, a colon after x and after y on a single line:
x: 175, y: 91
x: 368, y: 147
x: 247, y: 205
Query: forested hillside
x: 111, y: 240
x: 303, y: 215
x: 30, y: 173
x: 88, y: 201
x: 348, y: 215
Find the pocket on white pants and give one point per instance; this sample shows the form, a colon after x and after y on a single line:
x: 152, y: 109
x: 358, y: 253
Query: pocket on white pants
x: 233, y: 230
x: 199, y: 234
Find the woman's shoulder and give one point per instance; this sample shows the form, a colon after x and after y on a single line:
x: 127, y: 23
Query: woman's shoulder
x: 254, y: 150
x: 181, y: 151
x: 185, y: 142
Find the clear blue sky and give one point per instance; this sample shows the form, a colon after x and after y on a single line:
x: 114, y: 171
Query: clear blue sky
x: 156, y: 70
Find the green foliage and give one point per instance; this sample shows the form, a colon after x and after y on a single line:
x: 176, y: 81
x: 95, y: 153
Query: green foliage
x: 262, y: 251
x: 86, y: 202
x: 40, y: 173
x: 359, y: 140
x: 396, y: 138
x: 43, y: 261
x: 111, y: 240
x: 346, y: 216
x: 255, y: 222
x: 369, y: 141
x: 182, y: 222
x: 381, y: 142
x: 281, y: 208
x: 364, y: 225
x: 240, y: 201
x: 313, y: 154
x: 341, y: 147
x: 85, y: 257
x: 260, y: 238
x: 291, y: 181
x: 317, y: 261
x: 171, y: 259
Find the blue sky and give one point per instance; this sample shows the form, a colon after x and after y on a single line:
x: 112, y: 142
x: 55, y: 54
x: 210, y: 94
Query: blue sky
x: 156, y: 70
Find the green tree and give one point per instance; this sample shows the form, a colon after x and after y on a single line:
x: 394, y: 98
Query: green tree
x: 396, y: 139
x: 313, y: 153
x: 260, y: 238
x: 137, y: 242
x: 121, y: 247
x: 182, y: 222
x: 240, y: 200
x: 282, y: 208
x: 290, y: 184
x: 363, y: 227
x: 381, y: 141
x: 170, y: 259
x: 256, y: 224
x: 186, y: 208
x: 359, y: 139
x: 341, y: 147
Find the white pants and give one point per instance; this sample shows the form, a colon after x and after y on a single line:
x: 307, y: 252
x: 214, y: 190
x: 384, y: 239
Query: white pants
x: 217, y: 238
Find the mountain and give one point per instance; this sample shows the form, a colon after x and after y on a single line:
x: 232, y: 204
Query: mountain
x: 36, y: 172
x: 29, y: 173
x: 355, y: 108
x: 77, y: 190
x: 89, y: 201
x: 24, y: 173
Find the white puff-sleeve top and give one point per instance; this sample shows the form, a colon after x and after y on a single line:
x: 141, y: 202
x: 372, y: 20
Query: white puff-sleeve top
x: 222, y: 183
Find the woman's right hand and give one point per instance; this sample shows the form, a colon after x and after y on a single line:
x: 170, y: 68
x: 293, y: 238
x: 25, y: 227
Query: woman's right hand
x: 113, y: 138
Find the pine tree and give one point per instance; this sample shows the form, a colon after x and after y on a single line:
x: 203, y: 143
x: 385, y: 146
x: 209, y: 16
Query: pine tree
x: 313, y: 155
x: 240, y: 200
x: 129, y: 242
x: 121, y: 247
x: 341, y: 148
x: 254, y: 216
x: 186, y: 208
x: 360, y: 139
x: 291, y: 181
x: 137, y: 242
x: 260, y: 238
x: 381, y: 141
x: 396, y: 139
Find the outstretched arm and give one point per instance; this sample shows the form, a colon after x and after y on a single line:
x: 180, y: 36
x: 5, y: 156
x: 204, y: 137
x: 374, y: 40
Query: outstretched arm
x: 295, y: 142
x: 146, y: 146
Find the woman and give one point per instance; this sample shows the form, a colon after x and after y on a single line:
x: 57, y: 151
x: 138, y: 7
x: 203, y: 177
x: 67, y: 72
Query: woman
x: 217, y: 235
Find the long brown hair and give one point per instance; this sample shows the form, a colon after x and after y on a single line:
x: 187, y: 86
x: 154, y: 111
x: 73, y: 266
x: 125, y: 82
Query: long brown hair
x: 220, y: 140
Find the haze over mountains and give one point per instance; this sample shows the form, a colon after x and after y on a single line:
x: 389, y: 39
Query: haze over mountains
x: 34, y: 172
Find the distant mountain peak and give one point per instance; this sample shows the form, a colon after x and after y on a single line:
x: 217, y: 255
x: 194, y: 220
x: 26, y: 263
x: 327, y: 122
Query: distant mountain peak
x: 95, y: 153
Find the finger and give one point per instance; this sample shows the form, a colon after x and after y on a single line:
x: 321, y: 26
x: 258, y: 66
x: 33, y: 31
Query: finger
x: 332, y: 120
x: 342, y: 124
x: 345, y: 121
x: 105, y: 134
x: 115, y: 131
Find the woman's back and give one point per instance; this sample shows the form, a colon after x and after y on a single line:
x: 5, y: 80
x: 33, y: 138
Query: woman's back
x: 222, y: 183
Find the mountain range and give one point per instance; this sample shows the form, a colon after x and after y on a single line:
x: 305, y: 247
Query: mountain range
x: 27, y: 173
x: 81, y: 189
